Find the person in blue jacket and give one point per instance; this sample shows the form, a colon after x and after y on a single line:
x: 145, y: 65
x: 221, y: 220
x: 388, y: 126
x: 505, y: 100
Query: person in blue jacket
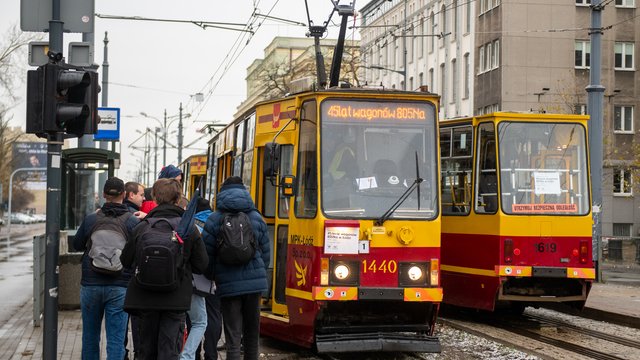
x: 239, y: 287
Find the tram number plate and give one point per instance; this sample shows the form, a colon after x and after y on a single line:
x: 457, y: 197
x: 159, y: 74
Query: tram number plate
x: 545, y: 247
x: 383, y: 266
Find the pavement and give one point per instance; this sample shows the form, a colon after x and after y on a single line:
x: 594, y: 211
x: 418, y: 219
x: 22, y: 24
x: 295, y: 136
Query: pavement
x: 617, y: 297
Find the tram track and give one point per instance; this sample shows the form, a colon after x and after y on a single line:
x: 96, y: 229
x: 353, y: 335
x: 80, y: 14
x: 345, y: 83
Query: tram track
x: 565, y: 338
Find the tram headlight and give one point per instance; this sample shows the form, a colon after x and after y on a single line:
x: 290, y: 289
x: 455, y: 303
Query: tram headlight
x: 413, y: 274
x: 344, y: 272
x: 341, y: 272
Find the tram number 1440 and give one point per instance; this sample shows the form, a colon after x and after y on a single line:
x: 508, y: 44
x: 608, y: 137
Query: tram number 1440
x: 384, y: 266
x: 545, y: 247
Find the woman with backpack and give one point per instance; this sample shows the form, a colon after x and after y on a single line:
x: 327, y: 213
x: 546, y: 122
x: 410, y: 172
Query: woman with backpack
x: 160, y: 291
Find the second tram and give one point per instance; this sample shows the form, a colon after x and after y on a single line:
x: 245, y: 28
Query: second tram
x: 194, y: 170
x: 347, y: 181
x: 516, y: 225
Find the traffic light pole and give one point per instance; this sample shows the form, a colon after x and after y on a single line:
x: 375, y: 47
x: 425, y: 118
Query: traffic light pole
x: 54, y: 183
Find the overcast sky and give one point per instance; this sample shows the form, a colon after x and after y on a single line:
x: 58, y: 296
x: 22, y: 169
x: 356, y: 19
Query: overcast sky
x: 158, y: 64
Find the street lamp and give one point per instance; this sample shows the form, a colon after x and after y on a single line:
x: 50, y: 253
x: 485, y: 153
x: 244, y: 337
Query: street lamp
x: 163, y: 124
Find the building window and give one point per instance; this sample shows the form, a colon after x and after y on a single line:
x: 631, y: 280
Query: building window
x: 421, y: 79
x: 443, y: 21
x: 454, y: 81
x: 467, y: 75
x: 623, y: 119
x: 496, y: 54
x: 423, y: 32
x: 411, y: 42
x: 583, y: 54
x: 621, y: 229
x: 624, y: 56
x: 467, y: 27
x: 481, y: 57
x: 443, y: 80
x: 625, y: 3
x: 454, y: 28
x: 432, y: 86
x: 622, y: 182
x: 434, y: 31
x: 580, y: 109
x: 410, y: 88
x: 583, y: 2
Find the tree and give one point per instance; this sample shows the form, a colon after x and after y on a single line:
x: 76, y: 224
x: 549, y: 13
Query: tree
x: 12, y: 76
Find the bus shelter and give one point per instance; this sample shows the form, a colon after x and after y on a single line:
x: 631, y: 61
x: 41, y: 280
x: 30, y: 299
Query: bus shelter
x: 79, y: 170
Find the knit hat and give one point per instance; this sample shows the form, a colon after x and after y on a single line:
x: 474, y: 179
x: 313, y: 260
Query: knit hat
x: 169, y: 172
x: 232, y: 180
x: 113, y: 186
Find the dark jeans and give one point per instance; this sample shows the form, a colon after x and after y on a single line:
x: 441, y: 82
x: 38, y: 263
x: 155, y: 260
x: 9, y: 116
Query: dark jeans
x: 161, y: 335
x: 241, y: 316
x: 214, y: 327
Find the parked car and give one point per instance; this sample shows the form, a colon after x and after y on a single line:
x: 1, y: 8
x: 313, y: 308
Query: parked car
x: 20, y: 218
x: 40, y: 217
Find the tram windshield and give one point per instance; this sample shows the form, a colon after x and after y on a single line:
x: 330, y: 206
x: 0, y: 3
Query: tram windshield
x: 372, y: 152
x: 543, y: 168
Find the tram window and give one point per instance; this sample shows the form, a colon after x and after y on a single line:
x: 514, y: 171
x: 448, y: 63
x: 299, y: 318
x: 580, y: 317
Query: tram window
x: 486, y: 175
x: 281, y: 264
x: 246, y: 169
x: 543, y: 163
x: 286, y: 168
x: 306, y: 202
x: 445, y: 143
x: 456, y: 171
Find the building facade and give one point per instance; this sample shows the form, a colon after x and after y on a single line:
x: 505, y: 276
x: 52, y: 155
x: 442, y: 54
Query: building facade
x: 489, y: 55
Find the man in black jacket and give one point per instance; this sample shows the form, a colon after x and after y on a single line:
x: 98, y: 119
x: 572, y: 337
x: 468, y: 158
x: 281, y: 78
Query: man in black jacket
x: 162, y: 314
x: 103, y: 295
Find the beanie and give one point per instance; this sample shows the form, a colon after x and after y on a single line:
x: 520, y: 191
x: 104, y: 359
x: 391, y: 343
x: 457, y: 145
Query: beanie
x: 232, y: 180
x: 169, y: 172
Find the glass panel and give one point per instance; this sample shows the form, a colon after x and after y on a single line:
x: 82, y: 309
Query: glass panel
x: 372, y: 152
x: 456, y: 174
x: 543, y: 168
x: 445, y: 143
x: 486, y: 175
x: 462, y: 141
x: 286, y: 168
x: 306, y: 203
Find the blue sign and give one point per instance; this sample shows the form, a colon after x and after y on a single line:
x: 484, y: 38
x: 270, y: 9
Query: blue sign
x: 109, y: 125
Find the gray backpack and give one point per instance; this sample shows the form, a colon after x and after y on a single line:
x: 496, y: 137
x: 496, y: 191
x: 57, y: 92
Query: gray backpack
x: 108, y: 237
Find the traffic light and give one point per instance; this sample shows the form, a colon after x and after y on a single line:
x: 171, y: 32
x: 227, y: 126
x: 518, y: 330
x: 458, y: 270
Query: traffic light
x: 62, y: 98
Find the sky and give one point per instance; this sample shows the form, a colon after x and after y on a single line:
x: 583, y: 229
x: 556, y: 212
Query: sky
x: 155, y: 66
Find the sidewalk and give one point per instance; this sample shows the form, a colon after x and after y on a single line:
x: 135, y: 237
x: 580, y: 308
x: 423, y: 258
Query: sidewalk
x: 20, y: 340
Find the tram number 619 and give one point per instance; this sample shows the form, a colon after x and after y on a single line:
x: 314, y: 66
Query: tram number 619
x: 545, y: 247
x: 384, y: 266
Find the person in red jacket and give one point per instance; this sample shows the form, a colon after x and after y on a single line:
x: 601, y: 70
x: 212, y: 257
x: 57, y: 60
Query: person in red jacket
x: 167, y: 172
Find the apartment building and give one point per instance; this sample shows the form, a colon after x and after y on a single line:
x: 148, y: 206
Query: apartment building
x: 488, y: 55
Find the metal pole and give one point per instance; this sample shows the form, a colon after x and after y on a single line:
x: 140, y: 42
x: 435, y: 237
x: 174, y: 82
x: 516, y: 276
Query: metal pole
x: 89, y: 180
x: 54, y: 148
x: 155, y: 153
x: 102, y: 178
x: 404, y: 47
x: 164, y: 142
x: 179, y: 137
x: 10, y: 197
x: 595, y: 96
x: 334, y: 77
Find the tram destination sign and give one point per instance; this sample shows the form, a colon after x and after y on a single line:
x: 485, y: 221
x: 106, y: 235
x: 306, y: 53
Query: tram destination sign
x: 354, y: 110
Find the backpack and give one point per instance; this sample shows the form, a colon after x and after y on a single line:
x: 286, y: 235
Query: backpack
x: 159, y: 255
x: 108, y: 237
x: 236, y: 243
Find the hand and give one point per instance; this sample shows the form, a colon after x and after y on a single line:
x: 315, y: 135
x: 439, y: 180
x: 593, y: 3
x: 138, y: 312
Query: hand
x: 140, y: 214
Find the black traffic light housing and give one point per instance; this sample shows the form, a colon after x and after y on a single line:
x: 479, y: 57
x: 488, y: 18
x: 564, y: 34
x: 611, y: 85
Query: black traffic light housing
x: 62, y: 98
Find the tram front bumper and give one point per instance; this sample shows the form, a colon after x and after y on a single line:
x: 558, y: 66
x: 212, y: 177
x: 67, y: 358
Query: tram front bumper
x: 378, y: 341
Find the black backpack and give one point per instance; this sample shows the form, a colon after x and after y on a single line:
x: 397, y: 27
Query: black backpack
x: 236, y: 243
x: 107, y: 239
x: 159, y: 255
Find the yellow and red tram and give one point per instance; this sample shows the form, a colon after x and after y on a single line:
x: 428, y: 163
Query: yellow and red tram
x: 347, y: 181
x: 516, y: 224
x: 194, y: 169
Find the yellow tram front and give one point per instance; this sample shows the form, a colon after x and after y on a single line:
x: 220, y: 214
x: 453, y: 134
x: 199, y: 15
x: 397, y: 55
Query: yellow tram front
x: 356, y: 226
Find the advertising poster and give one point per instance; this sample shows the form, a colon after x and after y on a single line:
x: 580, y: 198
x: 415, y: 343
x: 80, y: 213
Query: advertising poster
x: 28, y: 155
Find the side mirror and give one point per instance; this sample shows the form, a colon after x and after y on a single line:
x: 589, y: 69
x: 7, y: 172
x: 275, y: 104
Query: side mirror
x: 288, y: 185
x: 271, y: 160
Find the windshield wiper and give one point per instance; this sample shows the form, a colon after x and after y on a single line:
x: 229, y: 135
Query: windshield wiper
x: 403, y: 197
